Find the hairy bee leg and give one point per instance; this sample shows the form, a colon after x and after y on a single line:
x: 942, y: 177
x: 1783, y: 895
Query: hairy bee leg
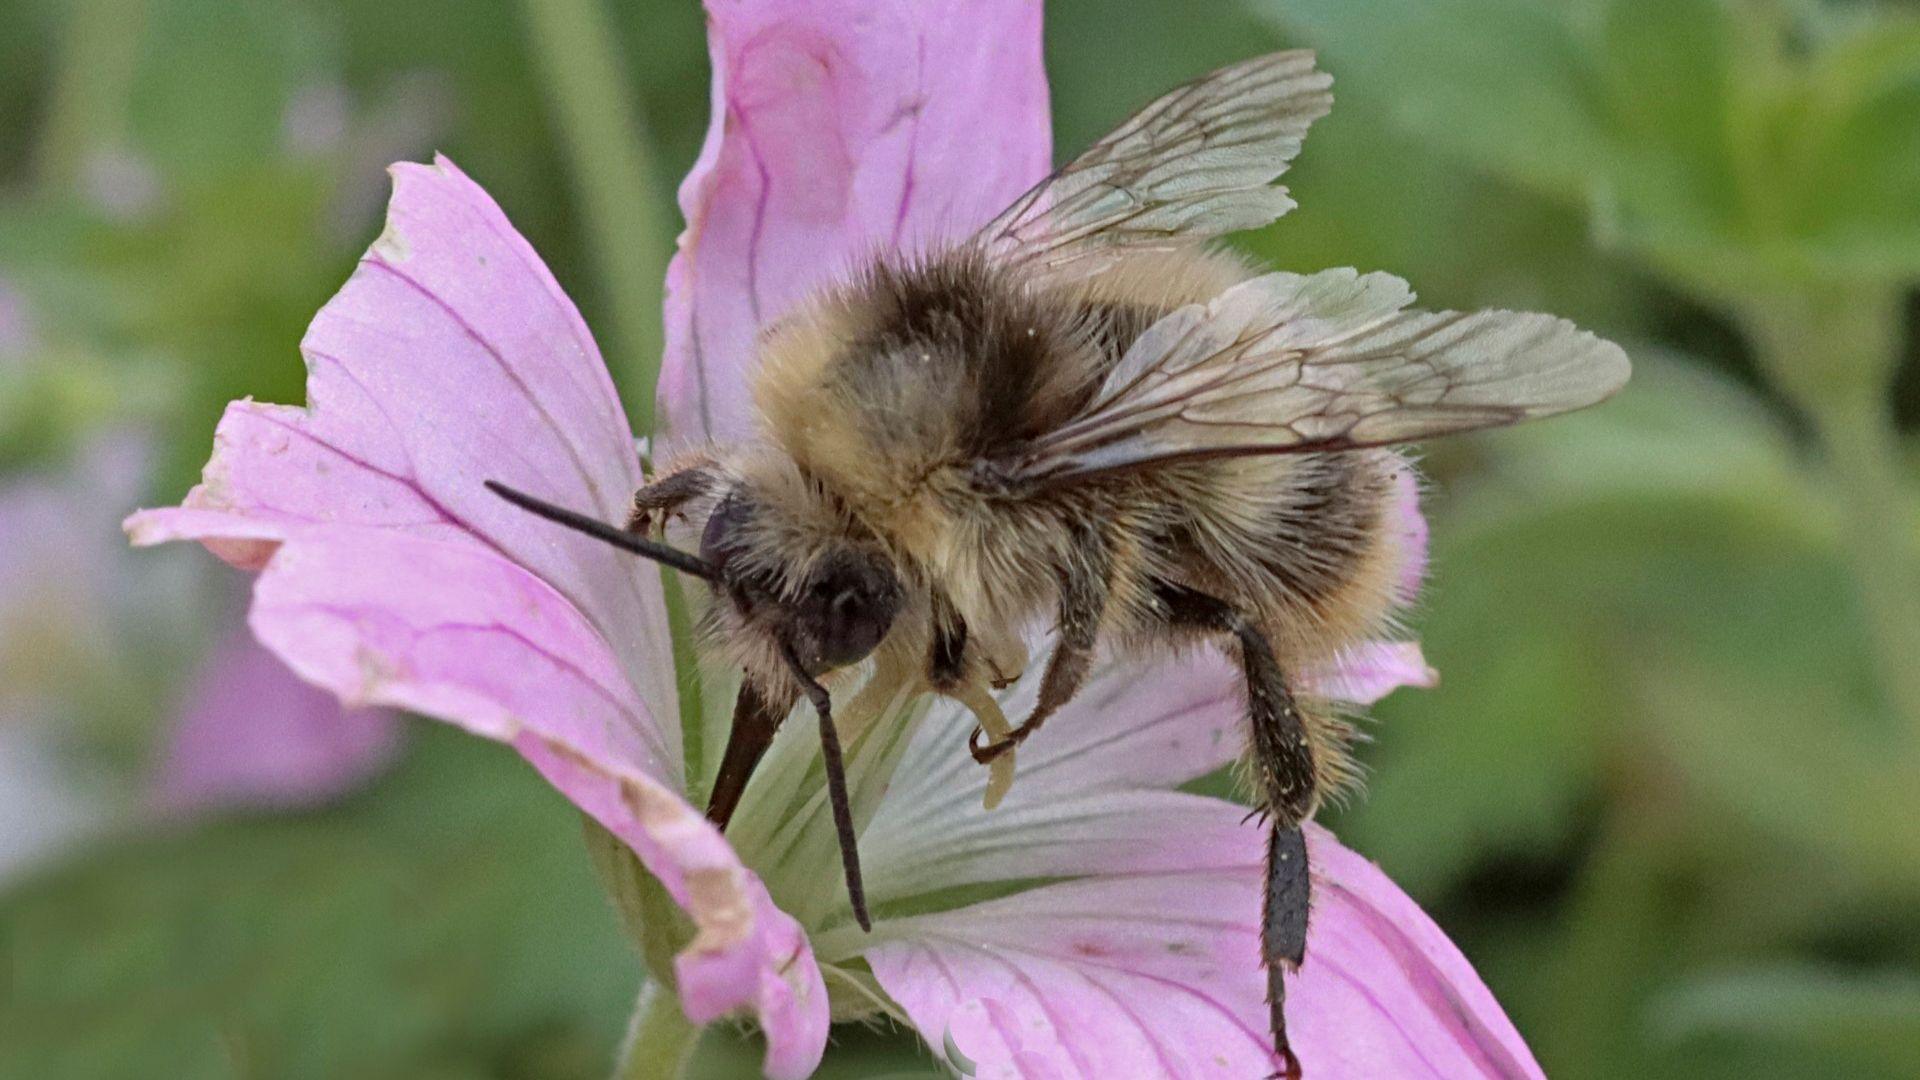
x: 1084, y: 586
x: 1283, y: 931
x: 1283, y: 764
x: 666, y: 493
x: 757, y: 715
x: 837, y: 796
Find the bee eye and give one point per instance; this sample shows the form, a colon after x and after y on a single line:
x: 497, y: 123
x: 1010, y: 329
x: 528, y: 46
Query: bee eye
x: 847, y: 610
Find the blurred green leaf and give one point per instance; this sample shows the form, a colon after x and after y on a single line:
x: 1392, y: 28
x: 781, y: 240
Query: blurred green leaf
x: 445, y: 923
x: 856, y: 1053
x: 1856, y: 1024
x: 1726, y: 143
x: 1373, y: 197
x: 1577, y: 546
x: 1504, y: 83
x: 215, y: 78
x: 1808, y: 760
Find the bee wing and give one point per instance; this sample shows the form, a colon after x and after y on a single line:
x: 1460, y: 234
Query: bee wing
x: 1197, y: 163
x: 1329, y: 361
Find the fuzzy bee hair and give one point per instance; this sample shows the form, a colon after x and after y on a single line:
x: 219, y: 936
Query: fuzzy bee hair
x: 880, y: 398
x: 1085, y: 413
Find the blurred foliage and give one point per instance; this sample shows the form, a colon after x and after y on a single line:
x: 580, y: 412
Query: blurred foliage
x: 414, y: 931
x: 1664, y: 796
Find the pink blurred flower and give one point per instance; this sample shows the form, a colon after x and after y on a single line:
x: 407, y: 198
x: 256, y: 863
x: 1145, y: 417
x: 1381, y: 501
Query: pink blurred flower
x: 90, y: 639
x: 76, y: 615
x: 252, y: 735
x: 1100, y: 922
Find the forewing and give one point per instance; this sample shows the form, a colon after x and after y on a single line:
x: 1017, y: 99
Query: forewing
x: 1197, y: 163
x: 1329, y: 361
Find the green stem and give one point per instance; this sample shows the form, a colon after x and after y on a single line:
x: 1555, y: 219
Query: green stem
x: 693, y: 716
x: 660, y: 1038
x: 88, y: 109
x: 1612, y: 951
x: 602, y: 133
x: 1863, y: 460
x: 1834, y: 353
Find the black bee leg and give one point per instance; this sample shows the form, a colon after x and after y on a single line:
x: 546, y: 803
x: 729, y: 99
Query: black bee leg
x: 1083, y: 600
x: 757, y: 714
x: 1283, y: 765
x: 664, y: 495
x: 837, y: 797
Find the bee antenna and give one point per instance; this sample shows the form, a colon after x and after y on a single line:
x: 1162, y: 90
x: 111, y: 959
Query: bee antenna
x: 837, y: 795
x: 600, y: 530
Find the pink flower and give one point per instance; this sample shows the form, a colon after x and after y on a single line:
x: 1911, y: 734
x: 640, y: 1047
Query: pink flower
x: 252, y: 735
x: 1100, y: 922
x: 76, y: 611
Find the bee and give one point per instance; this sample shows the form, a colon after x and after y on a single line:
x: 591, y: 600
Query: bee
x: 1087, y: 411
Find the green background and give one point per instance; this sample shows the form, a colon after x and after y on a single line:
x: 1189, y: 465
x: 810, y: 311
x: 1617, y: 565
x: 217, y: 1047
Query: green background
x: 1667, y: 796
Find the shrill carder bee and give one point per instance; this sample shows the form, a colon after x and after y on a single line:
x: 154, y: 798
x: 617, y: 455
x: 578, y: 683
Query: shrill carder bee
x: 1087, y: 411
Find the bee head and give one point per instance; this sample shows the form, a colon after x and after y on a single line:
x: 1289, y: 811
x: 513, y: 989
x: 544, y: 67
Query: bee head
x: 830, y: 600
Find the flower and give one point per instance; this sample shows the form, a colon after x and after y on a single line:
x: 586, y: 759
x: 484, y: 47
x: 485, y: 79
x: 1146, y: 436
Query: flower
x: 252, y: 735
x: 80, y: 623
x: 1100, y: 921
x: 89, y: 638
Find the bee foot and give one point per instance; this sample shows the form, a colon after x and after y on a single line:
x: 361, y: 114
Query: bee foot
x: 988, y: 753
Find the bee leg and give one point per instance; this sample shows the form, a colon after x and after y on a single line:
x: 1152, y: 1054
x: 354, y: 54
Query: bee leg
x: 757, y: 714
x: 1084, y: 586
x: 665, y: 493
x: 837, y: 797
x: 1283, y: 765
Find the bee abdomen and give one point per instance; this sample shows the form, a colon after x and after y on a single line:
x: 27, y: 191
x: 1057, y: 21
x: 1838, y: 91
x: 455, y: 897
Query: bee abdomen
x: 1303, y: 539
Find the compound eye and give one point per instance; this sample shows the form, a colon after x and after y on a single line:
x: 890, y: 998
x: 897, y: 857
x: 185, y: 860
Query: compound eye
x: 850, y: 610
x: 847, y: 605
x: 725, y: 530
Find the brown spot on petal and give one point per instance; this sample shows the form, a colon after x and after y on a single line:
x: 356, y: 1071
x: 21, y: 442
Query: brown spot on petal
x: 391, y: 247
x: 719, y: 907
x: 715, y: 900
x: 251, y: 555
x: 652, y: 809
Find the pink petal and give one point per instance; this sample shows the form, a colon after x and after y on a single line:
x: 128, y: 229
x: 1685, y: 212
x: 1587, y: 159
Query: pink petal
x: 1370, y: 671
x: 253, y: 735
x: 1153, y: 975
x: 1138, y: 977
x: 1085, y: 784
x: 450, y: 629
x: 392, y: 577
x: 840, y: 128
x: 450, y: 357
x: 1083, y: 787
x: 1384, y: 992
